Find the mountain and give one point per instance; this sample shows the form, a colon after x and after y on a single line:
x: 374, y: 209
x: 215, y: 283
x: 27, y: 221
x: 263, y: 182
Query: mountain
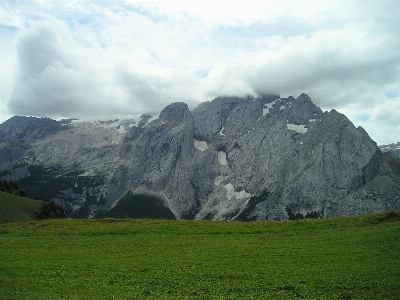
x: 394, y: 148
x: 232, y: 158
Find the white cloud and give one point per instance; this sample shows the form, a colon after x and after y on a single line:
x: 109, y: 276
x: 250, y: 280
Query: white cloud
x: 92, y: 58
x: 7, y: 59
x: 388, y: 112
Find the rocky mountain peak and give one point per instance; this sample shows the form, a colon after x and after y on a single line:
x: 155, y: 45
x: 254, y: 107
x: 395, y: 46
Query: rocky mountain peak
x: 175, y: 113
x: 251, y: 158
x: 21, y: 127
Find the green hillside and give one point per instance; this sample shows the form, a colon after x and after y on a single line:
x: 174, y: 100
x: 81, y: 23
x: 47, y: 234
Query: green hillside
x: 14, y: 208
x: 19, y: 209
x: 345, y: 258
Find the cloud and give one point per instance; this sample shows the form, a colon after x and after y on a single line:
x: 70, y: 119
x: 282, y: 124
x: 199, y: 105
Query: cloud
x: 98, y: 58
x: 57, y: 76
x: 388, y: 112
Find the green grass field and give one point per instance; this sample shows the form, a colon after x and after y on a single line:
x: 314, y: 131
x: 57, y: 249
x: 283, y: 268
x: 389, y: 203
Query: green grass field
x: 14, y: 208
x: 346, y: 258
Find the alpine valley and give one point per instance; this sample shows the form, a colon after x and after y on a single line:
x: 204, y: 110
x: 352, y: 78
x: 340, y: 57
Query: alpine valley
x: 263, y: 158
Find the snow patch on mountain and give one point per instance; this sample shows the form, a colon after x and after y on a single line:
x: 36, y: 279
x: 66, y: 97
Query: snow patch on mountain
x: 230, y: 192
x: 120, y: 125
x: 154, y: 117
x: 133, y: 122
x: 221, y: 131
x: 121, y: 129
x: 298, y: 128
x: 201, y: 145
x: 268, y: 107
x: 222, y: 158
x: 219, y: 179
x: 242, y: 195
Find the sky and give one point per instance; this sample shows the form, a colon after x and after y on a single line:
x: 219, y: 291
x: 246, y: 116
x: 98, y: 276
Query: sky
x: 94, y: 59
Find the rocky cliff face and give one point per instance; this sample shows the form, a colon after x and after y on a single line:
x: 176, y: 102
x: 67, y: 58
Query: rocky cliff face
x: 232, y: 158
x: 20, y: 127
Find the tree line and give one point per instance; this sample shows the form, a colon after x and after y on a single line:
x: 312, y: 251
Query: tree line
x: 49, y: 210
x: 11, y: 187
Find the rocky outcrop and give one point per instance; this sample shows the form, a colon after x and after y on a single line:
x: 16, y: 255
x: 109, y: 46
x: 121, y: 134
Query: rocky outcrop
x: 232, y: 158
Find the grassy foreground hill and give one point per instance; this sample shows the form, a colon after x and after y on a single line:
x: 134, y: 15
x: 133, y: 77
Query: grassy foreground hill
x: 345, y: 258
x: 14, y: 208
x: 19, y: 209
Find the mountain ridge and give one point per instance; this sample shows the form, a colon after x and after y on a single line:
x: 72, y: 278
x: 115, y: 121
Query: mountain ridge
x: 252, y: 158
x: 394, y: 148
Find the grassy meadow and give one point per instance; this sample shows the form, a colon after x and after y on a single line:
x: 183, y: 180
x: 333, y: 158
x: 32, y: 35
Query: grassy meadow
x: 344, y: 258
x: 14, y: 208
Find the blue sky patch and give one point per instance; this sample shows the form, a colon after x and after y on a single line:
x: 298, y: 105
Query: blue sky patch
x: 363, y: 118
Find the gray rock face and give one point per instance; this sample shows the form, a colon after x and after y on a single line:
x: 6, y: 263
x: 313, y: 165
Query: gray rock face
x: 20, y: 127
x: 394, y: 148
x: 232, y: 158
x: 159, y: 159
